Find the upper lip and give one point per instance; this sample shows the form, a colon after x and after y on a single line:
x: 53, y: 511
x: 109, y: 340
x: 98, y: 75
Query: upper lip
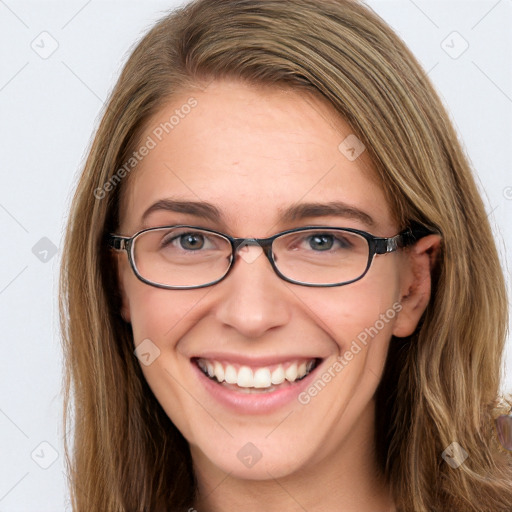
x: 254, y: 361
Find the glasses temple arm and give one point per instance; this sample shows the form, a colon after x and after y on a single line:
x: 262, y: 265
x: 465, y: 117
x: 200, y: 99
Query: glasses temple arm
x: 117, y: 243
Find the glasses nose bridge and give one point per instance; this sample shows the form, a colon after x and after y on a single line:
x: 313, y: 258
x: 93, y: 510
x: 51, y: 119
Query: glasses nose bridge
x: 264, y: 243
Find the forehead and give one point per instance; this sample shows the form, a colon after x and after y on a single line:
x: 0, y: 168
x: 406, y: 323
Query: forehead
x: 252, y: 152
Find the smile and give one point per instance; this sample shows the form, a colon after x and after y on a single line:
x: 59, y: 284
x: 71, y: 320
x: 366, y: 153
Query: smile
x: 264, y: 378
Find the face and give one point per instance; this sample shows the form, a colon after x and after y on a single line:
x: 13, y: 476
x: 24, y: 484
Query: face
x: 253, y: 153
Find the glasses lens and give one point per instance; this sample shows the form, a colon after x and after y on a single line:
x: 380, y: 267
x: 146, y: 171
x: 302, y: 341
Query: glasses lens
x: 321, y: 256
x: 181, y: 256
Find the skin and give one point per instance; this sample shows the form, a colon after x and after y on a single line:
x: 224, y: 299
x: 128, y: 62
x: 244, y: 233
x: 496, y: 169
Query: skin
x: 251, y: 152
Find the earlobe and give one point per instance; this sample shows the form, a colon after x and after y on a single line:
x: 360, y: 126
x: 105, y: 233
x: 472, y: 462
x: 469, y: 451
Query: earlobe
x: 125, y: 314
x: 416, y: 284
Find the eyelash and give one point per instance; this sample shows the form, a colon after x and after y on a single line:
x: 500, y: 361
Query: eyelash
x: 343, y: 243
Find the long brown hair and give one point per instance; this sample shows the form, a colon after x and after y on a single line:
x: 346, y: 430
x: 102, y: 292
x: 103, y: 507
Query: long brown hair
x: 441, y: 385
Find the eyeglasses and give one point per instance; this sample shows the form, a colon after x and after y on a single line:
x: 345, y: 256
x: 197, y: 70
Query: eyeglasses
x: 185, y: 257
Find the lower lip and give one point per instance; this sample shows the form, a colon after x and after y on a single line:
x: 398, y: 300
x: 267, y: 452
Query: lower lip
x: 254, y: 403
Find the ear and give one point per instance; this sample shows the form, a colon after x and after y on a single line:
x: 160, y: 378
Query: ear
x: 416, y: 283
x: 122, y: 265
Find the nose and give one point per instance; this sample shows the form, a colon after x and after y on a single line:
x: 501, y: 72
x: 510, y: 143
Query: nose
x: 253, y: 299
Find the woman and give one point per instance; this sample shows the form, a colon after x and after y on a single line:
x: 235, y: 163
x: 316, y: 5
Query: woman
x: 350, y: 363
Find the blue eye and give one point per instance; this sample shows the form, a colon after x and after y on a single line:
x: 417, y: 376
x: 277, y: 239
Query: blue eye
x: 321, y: 242
x: 191, y: 241
x: 324, y: 242
x: 188, y: 241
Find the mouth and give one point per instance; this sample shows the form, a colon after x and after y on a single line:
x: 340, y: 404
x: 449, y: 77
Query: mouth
x: 256, y: 379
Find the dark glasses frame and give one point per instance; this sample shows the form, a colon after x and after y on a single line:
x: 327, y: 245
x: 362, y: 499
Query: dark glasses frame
x: 376, y: 245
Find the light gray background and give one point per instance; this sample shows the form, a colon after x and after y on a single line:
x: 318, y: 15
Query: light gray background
x: 50, y: 106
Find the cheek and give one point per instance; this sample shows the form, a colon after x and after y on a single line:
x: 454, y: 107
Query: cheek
x: 160, y: 319
x: 363, y: 310
x: 156, y: 313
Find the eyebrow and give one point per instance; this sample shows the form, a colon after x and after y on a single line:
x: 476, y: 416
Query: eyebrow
x: 334, y: 208
x: 200, y: 209
x: 293, y: 213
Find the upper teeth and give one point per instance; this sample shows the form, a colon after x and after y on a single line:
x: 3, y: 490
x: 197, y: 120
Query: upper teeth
x: 263, y: 377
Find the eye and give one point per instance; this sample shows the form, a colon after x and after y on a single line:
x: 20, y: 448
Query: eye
x: 324, y: 242
x: 190, y: 241
x: 321, y: 242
